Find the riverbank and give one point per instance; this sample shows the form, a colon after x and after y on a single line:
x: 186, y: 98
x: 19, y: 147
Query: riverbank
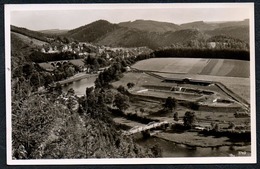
x: 194, y: 139
x: 77, y: 77
x: 170, y: 149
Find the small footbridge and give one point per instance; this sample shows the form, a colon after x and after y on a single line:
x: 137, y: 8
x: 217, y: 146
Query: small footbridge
x: 145, y: 130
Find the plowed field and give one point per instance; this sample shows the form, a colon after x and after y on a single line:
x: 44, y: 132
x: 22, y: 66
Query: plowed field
x: 214, y: 67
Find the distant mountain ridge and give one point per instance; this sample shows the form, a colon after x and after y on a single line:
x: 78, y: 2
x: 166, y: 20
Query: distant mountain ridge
x: 200, y: 25
x: 156, y: 34
x: 136, y: 38
x: 148, y: 33
x: 54, y: 31
x: 93, y: 31
x: 207, y: 26
x: 30, y: 33
x: 151, y: 26
x: 238, y: 32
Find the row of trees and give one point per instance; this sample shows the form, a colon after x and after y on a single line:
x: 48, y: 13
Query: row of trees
x: 39, y: 57
x: 223, y: 42
x: 202, y: 53
x: 216, y: 42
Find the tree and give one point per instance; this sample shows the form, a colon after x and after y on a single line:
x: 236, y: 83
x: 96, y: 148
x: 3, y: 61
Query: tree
x: 121, y: 101
x: 123, y: 62
x: 91, y: 102
x: 36, y: 80
x: 216, y: 127
x: 27, y: 69
x: 109, y: 97
x: 142, y: 110
x: 66, y: 40
x: 48, y: 79
x: 176, y: 116
x: 71, y: 92
x: 189, y: 119
x: 70, y: 71
x: 89, y: 90
x: 156, y: 150
x: 58, y: 88
x: 121, y: 89
x: 95, y: 65
x: 170, y: 103
x: 130, y: 85
x: 232, y: 126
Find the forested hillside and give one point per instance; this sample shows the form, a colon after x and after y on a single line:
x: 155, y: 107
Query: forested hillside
x: 93, y: 31
x: 151, y: 26
x: 155, y: 34
x: 152, y: 34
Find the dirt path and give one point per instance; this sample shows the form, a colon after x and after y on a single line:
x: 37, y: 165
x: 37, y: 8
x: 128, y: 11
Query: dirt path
x: 234, y: 96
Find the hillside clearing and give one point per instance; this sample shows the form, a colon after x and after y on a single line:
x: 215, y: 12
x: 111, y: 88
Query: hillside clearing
x: 29, y: 40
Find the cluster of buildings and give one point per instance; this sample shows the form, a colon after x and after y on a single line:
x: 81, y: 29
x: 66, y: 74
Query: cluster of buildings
x: 77, y: 48
x: 87, y: 49
x: 84, y: 49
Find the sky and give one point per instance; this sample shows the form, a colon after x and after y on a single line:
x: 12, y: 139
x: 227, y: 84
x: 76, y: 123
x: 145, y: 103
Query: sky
x: 70, y: 17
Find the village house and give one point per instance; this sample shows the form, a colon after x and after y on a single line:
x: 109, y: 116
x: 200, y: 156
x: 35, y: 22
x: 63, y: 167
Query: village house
x: 53, y: 50
x: 213, y: 45
x: 43, y: 50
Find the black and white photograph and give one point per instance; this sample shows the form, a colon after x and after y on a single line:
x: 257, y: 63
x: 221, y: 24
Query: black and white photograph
x: 151, y: 83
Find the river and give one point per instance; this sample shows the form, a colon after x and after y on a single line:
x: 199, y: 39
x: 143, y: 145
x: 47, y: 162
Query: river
x: 80, y: 86
x: 170, y: 149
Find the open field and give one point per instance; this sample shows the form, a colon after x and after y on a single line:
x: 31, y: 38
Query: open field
x: 138, y: 79
x: 150, y: 84
x: 204, y: 118
x: 151, y: 110
x: 240, y: 86
x: 142, y: 82
x: 210, y: 70
x: 147, y: 85
x: 232, y: 73
x: 214, y: 67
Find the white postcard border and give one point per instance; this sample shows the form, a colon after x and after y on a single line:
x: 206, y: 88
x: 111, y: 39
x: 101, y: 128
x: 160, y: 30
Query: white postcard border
x: 175, y: 160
